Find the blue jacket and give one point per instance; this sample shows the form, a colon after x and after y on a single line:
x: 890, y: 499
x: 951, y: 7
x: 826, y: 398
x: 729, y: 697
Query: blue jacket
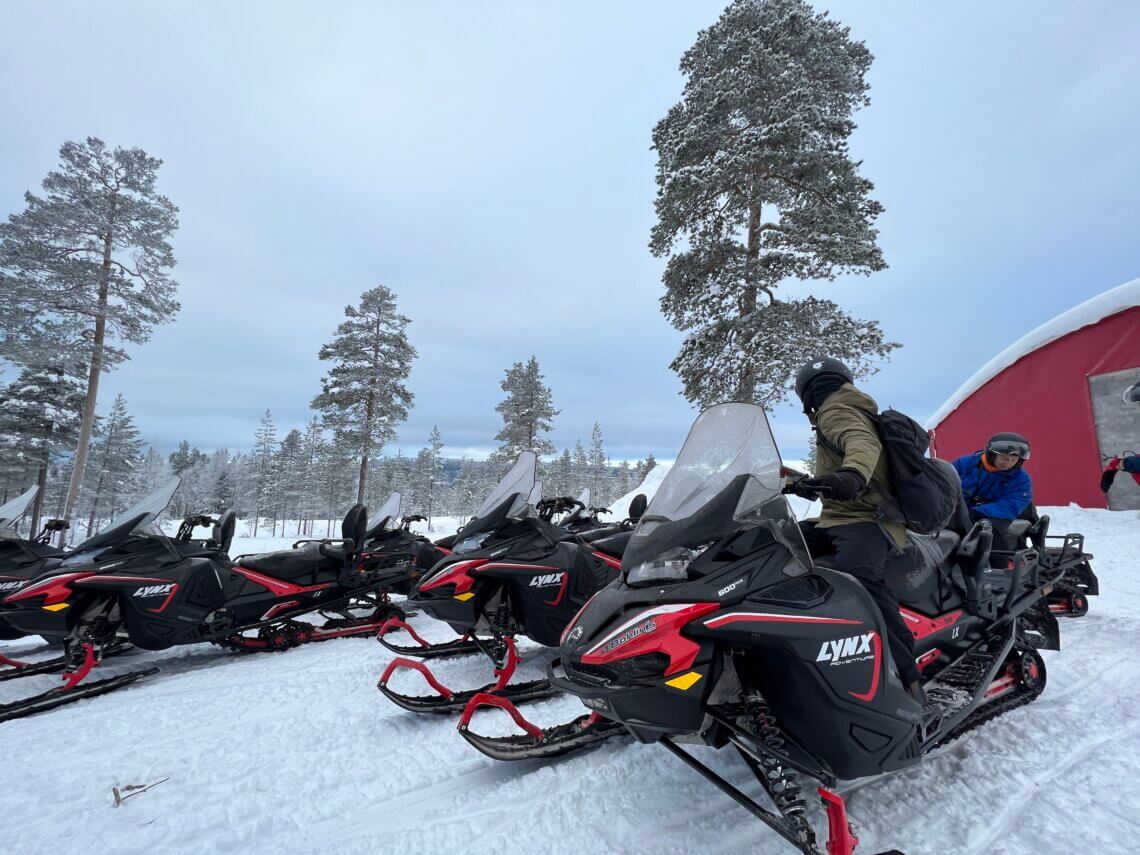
x: 1000, y: 495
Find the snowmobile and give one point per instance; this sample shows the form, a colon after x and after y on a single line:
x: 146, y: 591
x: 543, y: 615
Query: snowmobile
x: 392, y: 555
x: 131, y: 583
x: 510, y: 573
x: 722, y: 631
x: 22, y: 559
x: 1078, y: 582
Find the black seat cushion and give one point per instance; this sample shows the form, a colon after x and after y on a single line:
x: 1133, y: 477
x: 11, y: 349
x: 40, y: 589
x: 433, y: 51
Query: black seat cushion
x: 614, y: 545
x: 294, y: 565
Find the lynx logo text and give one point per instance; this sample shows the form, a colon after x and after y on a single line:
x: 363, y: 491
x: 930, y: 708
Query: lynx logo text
x: 854, y: 648
x: 547, y: 580
x: 153, y: 590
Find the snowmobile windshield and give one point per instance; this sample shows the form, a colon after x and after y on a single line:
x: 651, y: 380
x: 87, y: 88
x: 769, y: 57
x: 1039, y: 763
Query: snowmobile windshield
x: 137, y: 519
x: 520, y: 479
x: 11, y: 511
x: 389, y: 517
x: 511, y: 509
x: 728, y: 472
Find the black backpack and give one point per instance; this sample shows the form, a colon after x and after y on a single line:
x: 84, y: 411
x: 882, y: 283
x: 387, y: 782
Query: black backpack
x: 926, y: 491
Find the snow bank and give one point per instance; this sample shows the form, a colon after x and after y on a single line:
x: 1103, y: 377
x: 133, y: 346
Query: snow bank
x: 1109, y: 303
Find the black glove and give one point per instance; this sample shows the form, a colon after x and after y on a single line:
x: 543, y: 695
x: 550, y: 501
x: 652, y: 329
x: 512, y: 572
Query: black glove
x: 843, y: 485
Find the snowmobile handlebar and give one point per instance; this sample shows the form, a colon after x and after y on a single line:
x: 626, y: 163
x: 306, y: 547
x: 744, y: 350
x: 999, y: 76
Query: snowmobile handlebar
x: 411, y: 518
x: 347, y: 542
x: 804, y: 486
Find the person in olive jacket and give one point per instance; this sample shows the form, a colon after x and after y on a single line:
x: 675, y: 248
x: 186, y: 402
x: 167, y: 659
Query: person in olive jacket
x: 848, y: 458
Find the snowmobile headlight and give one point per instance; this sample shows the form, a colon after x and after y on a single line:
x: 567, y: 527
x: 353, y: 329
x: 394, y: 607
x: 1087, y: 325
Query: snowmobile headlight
x: 671, y: 566
x: 470, y: 544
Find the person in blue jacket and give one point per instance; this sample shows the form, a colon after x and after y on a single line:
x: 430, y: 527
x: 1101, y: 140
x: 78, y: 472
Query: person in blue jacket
x: 995, y: 486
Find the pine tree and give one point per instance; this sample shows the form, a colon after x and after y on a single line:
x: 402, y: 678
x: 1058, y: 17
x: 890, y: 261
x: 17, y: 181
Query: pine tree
x: 312, y: 449
x: 116, y: 454
x: 363, y: 397
x: 261, y: 464
x: 527, y: 413
x: 39, y: 417
x: 599, y: 489
x: 756, y: 186
x: 151, y: 473
x: 427, y: 475
x: 92, y: 253
x: 185, y: 457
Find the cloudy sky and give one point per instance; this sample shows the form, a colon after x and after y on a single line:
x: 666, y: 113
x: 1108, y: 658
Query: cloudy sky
x: 490, y: 163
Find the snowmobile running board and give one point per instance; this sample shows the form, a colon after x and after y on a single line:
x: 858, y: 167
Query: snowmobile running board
x: 840, y: 839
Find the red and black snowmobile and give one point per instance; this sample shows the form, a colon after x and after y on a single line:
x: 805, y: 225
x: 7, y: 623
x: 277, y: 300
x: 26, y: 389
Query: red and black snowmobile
x: 131, y: 583
x: 510, y: 573
x: 23, y: 559
x: 722, y: 631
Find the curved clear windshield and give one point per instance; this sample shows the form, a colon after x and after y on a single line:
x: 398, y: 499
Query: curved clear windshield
x: 137, y: 519
x: 519, y: 479
x: 11, y: 511
x: 389, y: 516
x: 728, y: 468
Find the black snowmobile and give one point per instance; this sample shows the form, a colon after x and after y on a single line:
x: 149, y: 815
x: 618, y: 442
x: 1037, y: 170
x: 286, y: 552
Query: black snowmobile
x: 721, y: 631
x: 130, y: 582
x: 510, y: 573
x: 1066, y: 553
x: 22, y: 559
x: 392, y: 555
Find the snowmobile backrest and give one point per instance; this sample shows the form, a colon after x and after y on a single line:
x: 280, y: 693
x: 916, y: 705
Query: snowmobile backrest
x: 973, y: 557
x: 637, y: 507
x: 355, y: 526
x: 223, y: 533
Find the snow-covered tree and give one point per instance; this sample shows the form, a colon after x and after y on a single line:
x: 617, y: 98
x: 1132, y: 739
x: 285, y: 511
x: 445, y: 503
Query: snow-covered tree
x: 184, y: 457
x: 599, y: 474
x: 312, y: 450
x: 427, y: 476
x: 527, y: 411
x: 151, y: 473
x: 261, y: 465
x: 91, y: 254
x: 363, y: 397
x: 756, y: 186
x: 39, y: 417
x: 116, y: 453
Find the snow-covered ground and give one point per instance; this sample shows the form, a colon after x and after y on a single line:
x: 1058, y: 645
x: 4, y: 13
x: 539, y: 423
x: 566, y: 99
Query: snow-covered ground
x: 298, y: 752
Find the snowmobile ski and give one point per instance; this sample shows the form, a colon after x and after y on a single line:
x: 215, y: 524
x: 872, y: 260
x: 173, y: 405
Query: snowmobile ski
x: 425, y: 650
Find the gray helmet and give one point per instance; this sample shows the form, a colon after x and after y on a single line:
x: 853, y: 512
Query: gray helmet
x: 818, y: 367
x: 1008, y: 443
x: 1131, y: 394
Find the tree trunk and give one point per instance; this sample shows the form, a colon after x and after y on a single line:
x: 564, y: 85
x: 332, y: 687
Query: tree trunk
x: 748, y: 300
x: 41, y: 482
x: 93, y: 373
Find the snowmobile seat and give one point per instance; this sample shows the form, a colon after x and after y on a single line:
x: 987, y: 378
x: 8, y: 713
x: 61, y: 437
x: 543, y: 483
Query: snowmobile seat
x: 918, y: 576
x: 598, y: 533
x: 354, y: 528
x: 637, y: 507
x: 1019, y: 528
x: 294, y: 565
x: 613, y: 545
x: 223, y: 534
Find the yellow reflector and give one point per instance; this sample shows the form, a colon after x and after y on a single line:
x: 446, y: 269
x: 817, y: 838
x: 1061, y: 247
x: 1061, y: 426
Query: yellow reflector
x: 58, y: 607
x: 464, y: 597
x: 685, y: 681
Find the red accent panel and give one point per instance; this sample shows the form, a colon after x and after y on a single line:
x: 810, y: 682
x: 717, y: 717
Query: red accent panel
x: 166, y: 602
x: 876, y: 668
x: 277, y: 587
x: 280, y: 607
x: 561, y: 590
x: 666, y: 638
x: 101, y: 577
x: 724, y: 620
x: 456, y: 575
x: 921, y: 626
x: 928, y: 657
x: 608, y: 559
x: 444, y: 550
x: 54, y: 589
x: 840, y: 840
x: 1065, y: 465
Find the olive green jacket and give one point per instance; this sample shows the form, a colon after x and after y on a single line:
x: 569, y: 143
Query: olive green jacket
x: 843, y: 420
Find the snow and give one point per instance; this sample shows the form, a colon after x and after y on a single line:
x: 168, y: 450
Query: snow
x: 298, y: 752
x: 1111, y: 302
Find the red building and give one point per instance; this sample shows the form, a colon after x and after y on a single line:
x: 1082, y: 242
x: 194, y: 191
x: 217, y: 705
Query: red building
x: 1061, y: 386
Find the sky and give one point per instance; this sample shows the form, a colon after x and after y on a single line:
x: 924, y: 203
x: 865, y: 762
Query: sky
x: 491, y: 164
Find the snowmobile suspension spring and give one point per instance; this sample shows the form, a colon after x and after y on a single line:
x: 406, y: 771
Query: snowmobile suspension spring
x: 781, y: 782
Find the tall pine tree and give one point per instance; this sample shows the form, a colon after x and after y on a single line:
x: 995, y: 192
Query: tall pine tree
x: 116, y: 454
x: 363, y: 397
x: 91, y: 254
x: 756, y: 186
x: 261, y: 465
x: 527, y: 411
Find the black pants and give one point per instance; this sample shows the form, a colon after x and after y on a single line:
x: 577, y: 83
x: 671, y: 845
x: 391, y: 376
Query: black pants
x: 861, y: 550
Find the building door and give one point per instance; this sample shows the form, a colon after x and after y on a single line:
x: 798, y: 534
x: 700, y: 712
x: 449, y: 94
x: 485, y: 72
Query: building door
x: 1117, y: 430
